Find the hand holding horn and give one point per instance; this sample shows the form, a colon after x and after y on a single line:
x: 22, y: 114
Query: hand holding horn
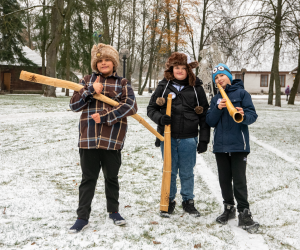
x: 233, y: 112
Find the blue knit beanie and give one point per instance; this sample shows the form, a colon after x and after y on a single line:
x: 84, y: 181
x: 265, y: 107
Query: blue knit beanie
x: 221, y: 69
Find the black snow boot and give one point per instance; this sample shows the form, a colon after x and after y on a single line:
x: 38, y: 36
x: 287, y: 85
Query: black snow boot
x: 171, y: 209
x: 188, y: 207
x: 246, y: 221
x: 228, y: 214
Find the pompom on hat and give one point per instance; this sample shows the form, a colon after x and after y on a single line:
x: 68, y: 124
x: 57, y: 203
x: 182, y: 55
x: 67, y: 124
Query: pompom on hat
x: 180, y: 58
x: 221, y: 69
x: 104, y: 51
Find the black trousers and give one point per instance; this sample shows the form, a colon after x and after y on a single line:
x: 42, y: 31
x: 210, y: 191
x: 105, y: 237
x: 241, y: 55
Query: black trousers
x: 232, y: 168
x: 92, y: 160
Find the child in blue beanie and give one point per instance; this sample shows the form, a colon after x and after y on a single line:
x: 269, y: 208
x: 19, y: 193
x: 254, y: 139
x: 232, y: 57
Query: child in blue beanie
x: 231, y: 146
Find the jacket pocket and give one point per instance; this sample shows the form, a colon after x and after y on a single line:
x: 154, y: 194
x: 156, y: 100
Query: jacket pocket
x: 190, y: 123
x: 236, y: 102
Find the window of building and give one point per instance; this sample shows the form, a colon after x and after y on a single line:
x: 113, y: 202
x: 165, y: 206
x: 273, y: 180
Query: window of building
x: 264, y: 80
x: 282, y: 81
x: 238, y: 76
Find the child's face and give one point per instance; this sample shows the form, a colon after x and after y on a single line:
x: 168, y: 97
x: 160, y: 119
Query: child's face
x: 223, y: 80
x: 179, y: 72
x: 105, y: 66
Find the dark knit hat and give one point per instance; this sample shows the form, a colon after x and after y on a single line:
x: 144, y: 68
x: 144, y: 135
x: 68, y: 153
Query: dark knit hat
x: 179, y: 58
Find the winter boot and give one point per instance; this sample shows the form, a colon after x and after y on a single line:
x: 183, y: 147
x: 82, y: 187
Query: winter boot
x: 117, y: 218
x: 171, y: 209
x: 188, y: 207
x: 79, y: 225
x: 246, y: 221
x: 229, y: 213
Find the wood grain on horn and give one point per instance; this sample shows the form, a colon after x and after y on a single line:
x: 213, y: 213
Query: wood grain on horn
x: 166, y: 179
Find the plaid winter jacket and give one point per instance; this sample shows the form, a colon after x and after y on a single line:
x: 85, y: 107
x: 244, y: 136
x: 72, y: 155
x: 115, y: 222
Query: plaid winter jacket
x: 110, y: 133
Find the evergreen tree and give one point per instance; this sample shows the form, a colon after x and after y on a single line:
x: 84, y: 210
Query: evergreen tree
x: 11, y: 41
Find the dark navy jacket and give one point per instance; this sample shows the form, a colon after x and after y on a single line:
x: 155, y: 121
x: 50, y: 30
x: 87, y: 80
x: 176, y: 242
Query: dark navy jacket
x: 230, y: 136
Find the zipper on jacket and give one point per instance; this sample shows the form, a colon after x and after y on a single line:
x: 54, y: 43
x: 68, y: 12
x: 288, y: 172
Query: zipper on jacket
x: 244, y: 140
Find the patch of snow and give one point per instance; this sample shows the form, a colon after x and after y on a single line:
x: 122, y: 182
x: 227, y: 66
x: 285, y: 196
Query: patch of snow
x: 32, y: 55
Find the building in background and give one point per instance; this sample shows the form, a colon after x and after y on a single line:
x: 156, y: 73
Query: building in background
x: 257, y: 77
x: 10, y: 73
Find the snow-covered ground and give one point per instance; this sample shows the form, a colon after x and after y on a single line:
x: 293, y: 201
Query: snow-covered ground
x: 40, y: 174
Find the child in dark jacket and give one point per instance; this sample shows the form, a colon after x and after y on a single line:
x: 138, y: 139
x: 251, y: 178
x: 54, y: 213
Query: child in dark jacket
x: 189, y: 106
x: 102, y: 132
x: 231, y: 145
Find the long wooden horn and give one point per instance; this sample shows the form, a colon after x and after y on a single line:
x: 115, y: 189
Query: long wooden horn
x: 236, y: 115
x: 31, y: 77
x: 166, y: 179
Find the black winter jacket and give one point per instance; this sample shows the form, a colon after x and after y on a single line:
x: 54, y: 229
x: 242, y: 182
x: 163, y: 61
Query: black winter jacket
x: 185, y: 121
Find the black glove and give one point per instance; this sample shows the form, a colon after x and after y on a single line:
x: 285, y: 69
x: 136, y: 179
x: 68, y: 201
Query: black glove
x: 157, y: 142
x: 165, y: 120
x: 202, y: 147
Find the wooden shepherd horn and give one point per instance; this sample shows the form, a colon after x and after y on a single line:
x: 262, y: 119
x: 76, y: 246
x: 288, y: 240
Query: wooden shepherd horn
x: 236, y: 115
x: 31, y: 77
x: 166, y: 179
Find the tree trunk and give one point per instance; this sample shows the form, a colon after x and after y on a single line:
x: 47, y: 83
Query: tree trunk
x: 168, y: 28
x: 130, y: 65
x: 150, y: 79
x: 91, y: 31
x: 296, y: 82
x: 143, y: 50
x: 271, y: 85
x: 277, y: 53
x: 113, y: 27
x: 44, y: 40
x: 28, y: 19
x: 119, y: 29
x: 203, y: 23
x: 177, y: 25
x: 68, y: 49
x: 104, y: 6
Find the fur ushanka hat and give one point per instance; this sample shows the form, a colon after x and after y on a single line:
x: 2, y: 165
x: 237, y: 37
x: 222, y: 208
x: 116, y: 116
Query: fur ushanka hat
x: 178, y: 58
x: 175, y: 59
x: 102, y: 51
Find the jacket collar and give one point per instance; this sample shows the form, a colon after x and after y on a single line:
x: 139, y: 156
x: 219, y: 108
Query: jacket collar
x: 236, y: 84
x: 114, y: 74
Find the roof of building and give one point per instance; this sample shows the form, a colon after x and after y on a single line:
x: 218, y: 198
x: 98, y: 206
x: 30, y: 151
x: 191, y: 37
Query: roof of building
x: 34, y: 56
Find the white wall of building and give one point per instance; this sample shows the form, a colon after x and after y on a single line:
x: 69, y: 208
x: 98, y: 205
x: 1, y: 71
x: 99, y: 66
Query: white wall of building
x: 252, y: 83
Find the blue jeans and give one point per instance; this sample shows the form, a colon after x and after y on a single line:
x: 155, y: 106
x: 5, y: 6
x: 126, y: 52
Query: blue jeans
x: 183, y: 159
